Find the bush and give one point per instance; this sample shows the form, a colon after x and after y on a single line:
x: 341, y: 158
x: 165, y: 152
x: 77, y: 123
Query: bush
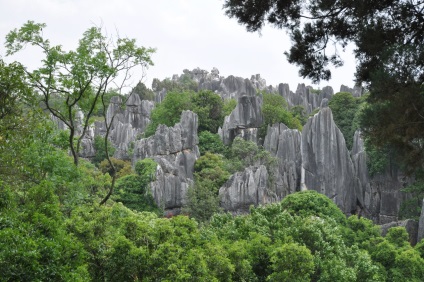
x: 311, y: 203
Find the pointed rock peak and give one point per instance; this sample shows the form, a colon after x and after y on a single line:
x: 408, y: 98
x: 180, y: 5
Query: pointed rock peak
x: 324, y: 103
x: 133, y: 100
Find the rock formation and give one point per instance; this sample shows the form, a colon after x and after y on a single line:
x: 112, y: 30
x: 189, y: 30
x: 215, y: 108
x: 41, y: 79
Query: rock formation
x: 284, y: 144
x: 244, y: 189
x: 244, y: 120
x: 175, y: 150
x: 327, y: 165
x: 128, y: 123
x: 421, y: 224
x: 304, y: 97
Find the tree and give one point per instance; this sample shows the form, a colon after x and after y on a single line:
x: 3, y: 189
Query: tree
x: 169, y: 111
x: 389, y: 54
x: 76, y: 81
x: 209, y: 108
x: 345, y: 107
x: 275, y: 110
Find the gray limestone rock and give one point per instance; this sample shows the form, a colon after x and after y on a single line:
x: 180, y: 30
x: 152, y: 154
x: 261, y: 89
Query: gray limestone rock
x: 244, y: 120
x: 285, y: 144
x: 127, y: 124
x: 244, y: 189
x: 421, y: 224
x: 175, y: 150
x: 304, y: 97
x: 327, y: 166
x: 356, y: 91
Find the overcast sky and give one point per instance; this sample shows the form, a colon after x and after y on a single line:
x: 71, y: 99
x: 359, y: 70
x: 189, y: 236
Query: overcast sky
x: 186, y: 33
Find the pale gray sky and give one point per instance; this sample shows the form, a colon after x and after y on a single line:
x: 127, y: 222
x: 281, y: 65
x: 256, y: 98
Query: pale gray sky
x: 186, y: 33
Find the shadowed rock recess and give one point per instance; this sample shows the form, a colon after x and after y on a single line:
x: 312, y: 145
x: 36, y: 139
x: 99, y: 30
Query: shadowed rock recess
x: 316, y: 158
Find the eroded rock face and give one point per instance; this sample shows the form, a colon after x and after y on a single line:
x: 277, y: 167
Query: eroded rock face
x: 356, y: 91
x: 128, y: 123
x: 285, y: 145
x: 327, y: 166
x: 421, y: 224
x: 244, y: 189
x: 175, y: 150
x: 304, y: 97
x: 244, y: 120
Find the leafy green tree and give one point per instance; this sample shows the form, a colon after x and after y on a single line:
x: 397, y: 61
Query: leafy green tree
x: 345, y: 107
x: 99, y: 146
x: 229, y: 106
x: 210, y: 142
x: 133, y: 190
x: 144, y: 92
x: 169, y: 111
x: 275, y: 110
x: 75, y: 81
x: 209, y: 108
x: 122, y: 167
x: 312, y: 203
x: 291, y: 262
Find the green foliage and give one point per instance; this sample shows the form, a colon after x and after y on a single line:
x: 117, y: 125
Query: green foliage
x: 133, y: 190
x: 291, y: 262
x: 411, y: 208
x: 378, y: 158
x: 34, y: 244
x: 77, y: 81
x: 229, y: 106
x: 311, y: 203
x: 144, y: 92
x: 210, y: 142
x: 299, y: 113
x: 275, y: 110
x: 99, y: 146
x: 209, y: 108
x: 202, y: 200
x: 122, y: 167
x: 345, y: 108
x: 169, y: 111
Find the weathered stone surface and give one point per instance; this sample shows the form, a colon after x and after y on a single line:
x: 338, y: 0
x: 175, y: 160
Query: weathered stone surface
x: 304, y: 97
x: 327, y: 166
x: 356, y: 91
x: 387, y: 196
x: 244, y: 189
x: 359, y: 159
x: 285, y: 144
x: 244, y: 120
x: 127, y: 124
x: 410, y: 225
x: 175, y: 150
x: 421, y: 224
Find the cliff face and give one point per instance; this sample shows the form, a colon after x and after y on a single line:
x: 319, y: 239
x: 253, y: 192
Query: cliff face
x: 175, y: 150
x: 128, y: 123
x: 244, y: 189
x: 285, y: 145
x: 326, y: 161
x: 244, y: 120
x: 304, y: 96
